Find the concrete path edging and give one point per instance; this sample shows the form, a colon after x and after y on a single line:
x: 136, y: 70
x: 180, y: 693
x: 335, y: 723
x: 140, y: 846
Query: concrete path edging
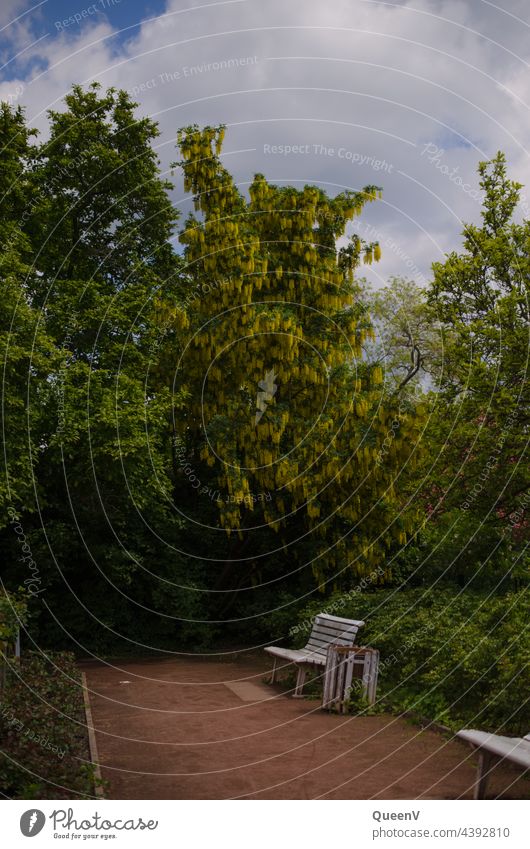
x: 92, y: 745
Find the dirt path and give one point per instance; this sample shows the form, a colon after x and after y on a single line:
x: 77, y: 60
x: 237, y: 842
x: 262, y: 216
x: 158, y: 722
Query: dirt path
x: 188, y: 729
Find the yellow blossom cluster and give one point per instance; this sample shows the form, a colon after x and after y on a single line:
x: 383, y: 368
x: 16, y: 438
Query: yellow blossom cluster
x: 280, y: 398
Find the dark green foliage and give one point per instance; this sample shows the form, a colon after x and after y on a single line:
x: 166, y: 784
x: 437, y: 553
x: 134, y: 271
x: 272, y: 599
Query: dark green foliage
x: 461, y: 658
x: 43, y: 731
x: 13, y: 614
x: 87, y: 257
x: 481, y: 298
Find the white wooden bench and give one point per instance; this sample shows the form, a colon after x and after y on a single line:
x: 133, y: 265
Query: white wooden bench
x: 327, y: 630
x: 493, y: 747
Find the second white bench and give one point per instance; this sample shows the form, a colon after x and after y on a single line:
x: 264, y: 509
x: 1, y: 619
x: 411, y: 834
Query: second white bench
x: 493, y: 747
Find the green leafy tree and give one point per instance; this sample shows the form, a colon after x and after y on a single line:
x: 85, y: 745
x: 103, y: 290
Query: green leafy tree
x: 99, y: 224
x: 282, y: 407
x: 480, y: 297
x: 408, y: 344
x: 27, y: 354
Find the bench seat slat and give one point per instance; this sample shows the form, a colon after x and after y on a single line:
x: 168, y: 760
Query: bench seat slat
x: 326, y: 616
x: 335, y: 626
x: 297, y: 655
x: 335, y: 621
x: 318, y: 639
x: 329, y: 633
x: 317, y: 644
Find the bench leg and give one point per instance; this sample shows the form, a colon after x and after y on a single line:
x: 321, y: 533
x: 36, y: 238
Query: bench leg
x: 273, y: 675
x: 300, y: 681
x: 483, y: 769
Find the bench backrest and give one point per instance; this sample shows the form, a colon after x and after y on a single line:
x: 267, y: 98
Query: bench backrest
x: 332, y: 629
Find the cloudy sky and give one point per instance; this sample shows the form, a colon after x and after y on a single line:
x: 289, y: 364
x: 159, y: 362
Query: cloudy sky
x: 341, y: 93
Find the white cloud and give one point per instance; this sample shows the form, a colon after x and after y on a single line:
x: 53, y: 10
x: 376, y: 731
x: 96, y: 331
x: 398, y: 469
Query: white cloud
x: 376, y: 80
x: 10, y: 9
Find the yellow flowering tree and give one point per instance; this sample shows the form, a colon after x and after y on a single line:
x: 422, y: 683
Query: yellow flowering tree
x: 282, y: 409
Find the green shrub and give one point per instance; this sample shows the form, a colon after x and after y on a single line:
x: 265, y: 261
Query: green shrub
x: 13, y: 614
x: 460, y: 548
x: 43, y: 735
x: 458, y: 657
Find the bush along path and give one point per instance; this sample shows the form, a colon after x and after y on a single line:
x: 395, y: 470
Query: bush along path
x: 458, y: 658
x: 44, y: 751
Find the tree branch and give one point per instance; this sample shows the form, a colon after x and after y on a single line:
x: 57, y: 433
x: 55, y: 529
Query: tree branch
x: 415, y: 357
